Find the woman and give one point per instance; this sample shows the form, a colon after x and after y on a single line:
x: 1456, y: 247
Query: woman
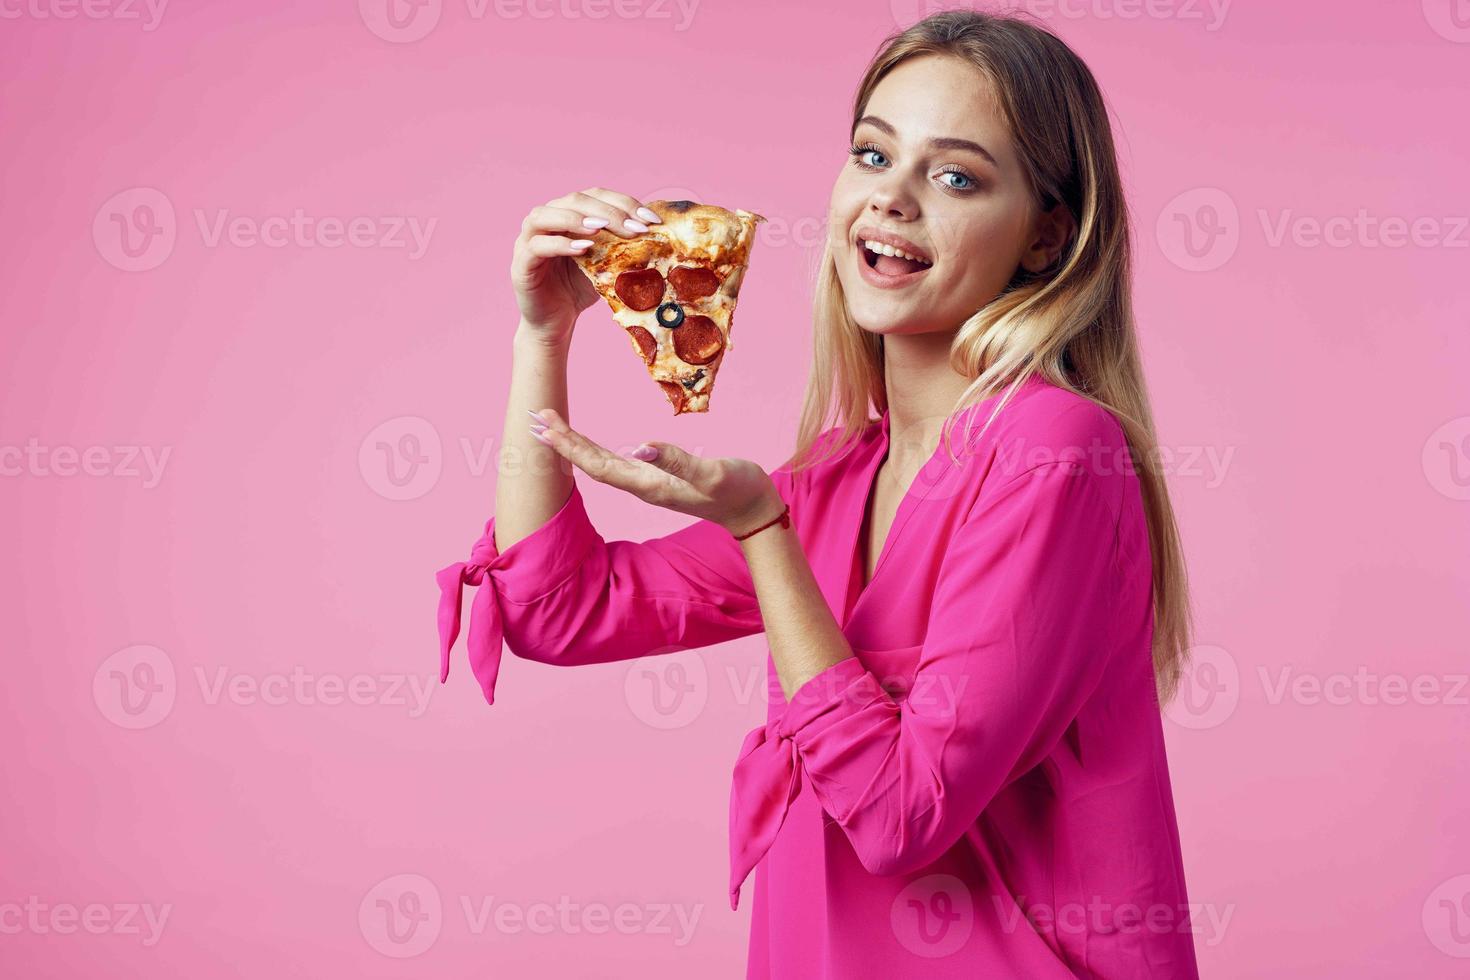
x: 963, y: 773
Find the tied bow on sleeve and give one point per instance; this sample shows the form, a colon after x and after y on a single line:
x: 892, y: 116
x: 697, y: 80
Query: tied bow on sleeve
x: 768, y: 773
x: 767, y: 778
x: 486, y: 635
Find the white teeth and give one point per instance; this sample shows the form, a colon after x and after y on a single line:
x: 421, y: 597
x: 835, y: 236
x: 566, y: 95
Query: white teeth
x: 882, y: 249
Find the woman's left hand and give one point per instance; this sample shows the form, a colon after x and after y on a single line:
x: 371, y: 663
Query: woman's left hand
x: 736, y: 494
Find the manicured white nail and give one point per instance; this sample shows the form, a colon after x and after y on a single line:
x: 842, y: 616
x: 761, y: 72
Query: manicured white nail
x: 632, y: 225
x: 645, y: 453
x: 594, y: 222
x: 538, y: 417
x: 650, y: 216
x: 581, y: 243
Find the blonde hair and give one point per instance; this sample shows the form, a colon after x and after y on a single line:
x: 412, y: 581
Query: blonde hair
x: 1071, y: 323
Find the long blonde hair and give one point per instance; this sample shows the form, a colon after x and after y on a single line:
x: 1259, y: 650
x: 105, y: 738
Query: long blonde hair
x: 1071, y: 324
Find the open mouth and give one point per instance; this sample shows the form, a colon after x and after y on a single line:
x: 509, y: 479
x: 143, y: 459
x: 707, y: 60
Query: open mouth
x: 891, y: 262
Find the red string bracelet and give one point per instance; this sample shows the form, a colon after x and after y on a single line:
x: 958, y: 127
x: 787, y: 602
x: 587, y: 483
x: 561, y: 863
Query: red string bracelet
x: 784, y: 519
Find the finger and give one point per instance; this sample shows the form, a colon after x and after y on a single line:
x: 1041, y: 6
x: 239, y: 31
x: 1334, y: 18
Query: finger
x: 599, y: 463
x: 619, y: 207
x: 628, y: 203
x: 546, y: 218
x: 547, y: 246
x: 590, y: 207
x: 695, y: 470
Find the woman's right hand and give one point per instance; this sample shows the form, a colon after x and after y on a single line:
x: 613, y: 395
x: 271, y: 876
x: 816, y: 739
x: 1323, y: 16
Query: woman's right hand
x: 550, y: 290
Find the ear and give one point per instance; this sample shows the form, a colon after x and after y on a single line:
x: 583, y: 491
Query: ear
x: 1050, y: 234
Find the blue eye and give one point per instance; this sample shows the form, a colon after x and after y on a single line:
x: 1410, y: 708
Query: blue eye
x: 863, y: 150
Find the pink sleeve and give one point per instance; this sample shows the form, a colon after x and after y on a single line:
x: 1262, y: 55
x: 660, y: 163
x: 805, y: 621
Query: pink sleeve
x: 1017, y: 639
x: 563, y: 595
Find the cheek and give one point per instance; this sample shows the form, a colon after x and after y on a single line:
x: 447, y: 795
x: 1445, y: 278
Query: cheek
x: 844, y: 205
x: 992, y: 237
x: 986, y: 258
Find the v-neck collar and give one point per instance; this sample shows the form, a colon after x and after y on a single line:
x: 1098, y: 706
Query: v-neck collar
x: 866, y: 487
x: 869, y: 473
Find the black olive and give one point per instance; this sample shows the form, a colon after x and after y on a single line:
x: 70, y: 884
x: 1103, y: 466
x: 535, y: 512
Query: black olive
x: 680, y: 206
x: 691, y: 382
x: 670, y: 315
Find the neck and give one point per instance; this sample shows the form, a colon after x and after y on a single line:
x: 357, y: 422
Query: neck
x: 922, y: 389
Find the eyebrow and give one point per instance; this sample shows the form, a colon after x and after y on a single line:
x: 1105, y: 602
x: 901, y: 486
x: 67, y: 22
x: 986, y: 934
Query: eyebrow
x: 939, y: 142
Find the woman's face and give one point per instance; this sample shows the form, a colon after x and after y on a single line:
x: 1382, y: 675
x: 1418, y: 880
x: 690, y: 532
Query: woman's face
x: 935, y: 168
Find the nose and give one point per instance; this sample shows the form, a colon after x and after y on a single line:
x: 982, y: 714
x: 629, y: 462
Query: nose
x: 891, y: 198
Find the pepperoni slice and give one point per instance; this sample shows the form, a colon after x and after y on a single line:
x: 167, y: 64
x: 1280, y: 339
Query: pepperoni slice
x: 675, y: 393
x: 647, y: 346
x: 698, y: 340
x: 692, y: 282
x: 641, y: 289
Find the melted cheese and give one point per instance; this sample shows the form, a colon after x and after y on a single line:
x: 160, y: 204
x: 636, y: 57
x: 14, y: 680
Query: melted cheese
x: 717, y: 307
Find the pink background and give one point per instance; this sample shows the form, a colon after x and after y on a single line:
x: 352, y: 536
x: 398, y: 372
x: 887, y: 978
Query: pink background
x: 323, y: 421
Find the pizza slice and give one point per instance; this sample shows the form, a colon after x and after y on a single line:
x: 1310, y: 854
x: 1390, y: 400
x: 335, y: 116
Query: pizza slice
x: 673, y: 291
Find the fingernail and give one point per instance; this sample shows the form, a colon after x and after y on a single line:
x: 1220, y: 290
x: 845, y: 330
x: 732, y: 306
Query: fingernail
x: 581, y: 243
x: 594, y: 222
x: 645, y: 453
x: 541, y: 435
x: 632, y: 225
x: 650, y: 216
x: 538, y: 417
x: 539, y: 427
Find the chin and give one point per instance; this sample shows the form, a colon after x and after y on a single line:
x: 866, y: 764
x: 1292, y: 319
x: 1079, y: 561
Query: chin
x: 900, y: 323
x: 881, y: 323
x: 872, y: 313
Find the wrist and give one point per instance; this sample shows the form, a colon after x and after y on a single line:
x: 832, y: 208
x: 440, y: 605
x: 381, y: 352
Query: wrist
x: 534, y: 341
x: 763, y: 515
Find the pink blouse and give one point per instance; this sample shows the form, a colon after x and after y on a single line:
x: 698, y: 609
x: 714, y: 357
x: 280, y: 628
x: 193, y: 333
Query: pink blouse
x: 982, y: 788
